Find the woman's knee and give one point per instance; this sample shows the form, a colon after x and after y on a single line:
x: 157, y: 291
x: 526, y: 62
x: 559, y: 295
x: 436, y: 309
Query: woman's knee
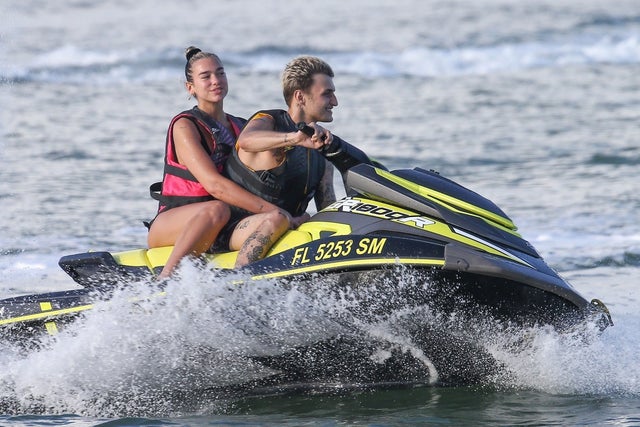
x: 169, y: 225
x: 215, y: 212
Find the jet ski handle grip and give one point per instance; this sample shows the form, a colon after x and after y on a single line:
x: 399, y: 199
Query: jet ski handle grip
x: 342, y: 154
x: 308, y: 130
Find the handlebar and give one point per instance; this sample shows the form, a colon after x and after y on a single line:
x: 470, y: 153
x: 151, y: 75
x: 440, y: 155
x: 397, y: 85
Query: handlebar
x: 342, y: 154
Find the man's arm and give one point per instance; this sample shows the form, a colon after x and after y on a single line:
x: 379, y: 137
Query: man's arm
x: 325, y: 193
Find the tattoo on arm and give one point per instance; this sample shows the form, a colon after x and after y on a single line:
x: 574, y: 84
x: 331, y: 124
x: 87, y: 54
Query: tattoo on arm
x: 325, y: 193
x: 279, y: 155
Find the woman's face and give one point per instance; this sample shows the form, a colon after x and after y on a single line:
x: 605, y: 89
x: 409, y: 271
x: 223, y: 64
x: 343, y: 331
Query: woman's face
x: 209, y: 80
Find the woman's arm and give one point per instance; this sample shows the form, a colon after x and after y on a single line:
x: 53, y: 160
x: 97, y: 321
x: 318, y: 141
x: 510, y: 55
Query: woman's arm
x: 192, y: 155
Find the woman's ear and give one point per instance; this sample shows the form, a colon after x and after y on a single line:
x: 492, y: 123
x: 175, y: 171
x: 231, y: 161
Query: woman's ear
x: 189, y: 87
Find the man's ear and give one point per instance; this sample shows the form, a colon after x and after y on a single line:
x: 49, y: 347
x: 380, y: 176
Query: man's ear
x: 298, y: 97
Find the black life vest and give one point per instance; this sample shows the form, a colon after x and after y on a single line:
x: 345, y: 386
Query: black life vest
x: 293, y: 183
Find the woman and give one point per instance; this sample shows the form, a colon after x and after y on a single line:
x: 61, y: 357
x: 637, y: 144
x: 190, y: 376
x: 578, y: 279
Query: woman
x: 197, y: 205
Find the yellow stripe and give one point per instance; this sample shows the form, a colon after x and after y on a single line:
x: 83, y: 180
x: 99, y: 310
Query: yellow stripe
x: 52, y: 329
x: 452, y: 202
x: 46, y: 314
x: 374, y: 261
x: 316, y: 228
x: 45, y: 306
x: 76, y: 309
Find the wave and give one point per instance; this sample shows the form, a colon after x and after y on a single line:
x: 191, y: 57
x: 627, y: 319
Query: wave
x: 597, y: 251
x: 616, y: 159
x: 603, y: 20
x: 625, y: 259
x: 70, y: 64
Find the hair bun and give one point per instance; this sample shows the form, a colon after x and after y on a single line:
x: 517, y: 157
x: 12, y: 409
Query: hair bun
x: 191, y: 51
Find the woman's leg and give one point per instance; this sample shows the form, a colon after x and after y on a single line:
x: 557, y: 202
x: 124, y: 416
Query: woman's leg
x: 254, y: 235
x: 192, y: 229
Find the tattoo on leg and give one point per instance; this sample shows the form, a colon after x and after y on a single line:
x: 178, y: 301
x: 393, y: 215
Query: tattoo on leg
x: 255, y: 246
x: 242, y: 225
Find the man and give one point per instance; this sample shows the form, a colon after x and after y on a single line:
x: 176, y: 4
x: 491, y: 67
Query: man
x: 276, y: 160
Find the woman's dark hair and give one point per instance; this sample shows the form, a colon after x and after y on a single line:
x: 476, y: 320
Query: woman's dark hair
x: 194, y: 54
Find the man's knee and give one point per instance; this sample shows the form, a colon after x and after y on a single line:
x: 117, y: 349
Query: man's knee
x: 277, y: 220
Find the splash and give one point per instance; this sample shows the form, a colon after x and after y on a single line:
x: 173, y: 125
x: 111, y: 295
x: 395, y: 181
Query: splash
x: 142, y: 349
x: 579, y: 363
x: 206, y: 337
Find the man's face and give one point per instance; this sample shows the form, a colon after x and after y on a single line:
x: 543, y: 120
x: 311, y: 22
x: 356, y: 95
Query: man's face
x: 320, y: 99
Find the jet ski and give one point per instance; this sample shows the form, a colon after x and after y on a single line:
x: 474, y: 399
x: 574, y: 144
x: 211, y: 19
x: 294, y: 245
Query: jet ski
x: 462, y: 253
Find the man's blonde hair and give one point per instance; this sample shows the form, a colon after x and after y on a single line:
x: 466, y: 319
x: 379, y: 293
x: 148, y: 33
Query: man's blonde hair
x: 298, y: 75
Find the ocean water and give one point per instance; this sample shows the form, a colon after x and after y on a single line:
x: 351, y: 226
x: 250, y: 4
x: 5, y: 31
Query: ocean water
x: 535, y: 105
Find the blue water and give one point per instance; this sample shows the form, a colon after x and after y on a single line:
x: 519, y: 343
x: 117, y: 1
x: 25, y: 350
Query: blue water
x: 533, y: 104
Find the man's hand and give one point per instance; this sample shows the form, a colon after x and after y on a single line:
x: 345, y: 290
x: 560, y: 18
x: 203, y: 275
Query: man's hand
x: 298, y: 220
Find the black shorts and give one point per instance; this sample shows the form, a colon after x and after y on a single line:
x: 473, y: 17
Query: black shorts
x: 221, y: 243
